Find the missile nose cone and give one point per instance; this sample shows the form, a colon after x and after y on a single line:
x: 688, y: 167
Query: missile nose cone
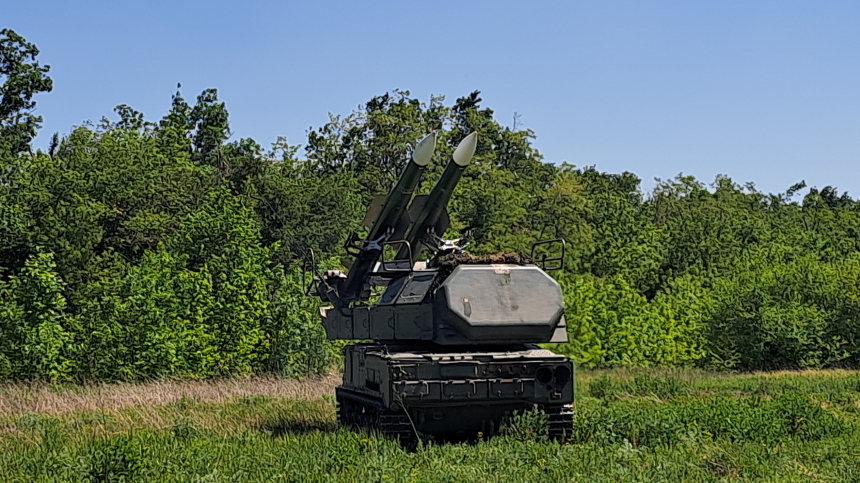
x: 424, y: 150
x: 466, y: 149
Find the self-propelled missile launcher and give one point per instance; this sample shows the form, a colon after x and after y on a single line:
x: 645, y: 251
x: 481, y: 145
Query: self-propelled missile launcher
x: 454, y: 337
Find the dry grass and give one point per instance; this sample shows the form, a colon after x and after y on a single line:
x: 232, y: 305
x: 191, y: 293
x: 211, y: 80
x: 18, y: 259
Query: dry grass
x: 19, y: 399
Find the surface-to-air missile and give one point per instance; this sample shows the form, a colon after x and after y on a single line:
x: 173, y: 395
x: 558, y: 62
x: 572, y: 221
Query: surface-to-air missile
x: 454, y: 337
x: 390, y: 221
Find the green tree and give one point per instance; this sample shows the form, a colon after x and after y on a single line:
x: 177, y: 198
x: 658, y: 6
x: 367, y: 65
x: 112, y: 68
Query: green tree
x: 626, y: 242
x: 211, y: 126
x: 371, y: 144
x: 502, y: 194
x: 21, y: 77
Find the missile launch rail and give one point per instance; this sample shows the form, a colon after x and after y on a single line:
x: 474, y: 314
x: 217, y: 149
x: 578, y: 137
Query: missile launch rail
x: 455, y: 337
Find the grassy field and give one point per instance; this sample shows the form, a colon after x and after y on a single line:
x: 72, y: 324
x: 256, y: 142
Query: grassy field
x: 644, y: 425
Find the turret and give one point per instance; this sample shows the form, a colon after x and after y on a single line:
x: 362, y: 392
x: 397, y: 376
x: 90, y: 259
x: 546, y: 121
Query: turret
x: 453, y: 299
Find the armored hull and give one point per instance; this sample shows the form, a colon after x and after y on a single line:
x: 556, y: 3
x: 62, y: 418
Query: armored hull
x: 405, y: 389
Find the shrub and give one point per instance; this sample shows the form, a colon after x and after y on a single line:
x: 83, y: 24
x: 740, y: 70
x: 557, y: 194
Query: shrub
x: 785, y: 313
x: 35, y: 329
x: 612, y: 324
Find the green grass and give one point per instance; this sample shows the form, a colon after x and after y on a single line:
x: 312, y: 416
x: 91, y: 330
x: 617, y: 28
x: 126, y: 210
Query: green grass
x: 642, y: 425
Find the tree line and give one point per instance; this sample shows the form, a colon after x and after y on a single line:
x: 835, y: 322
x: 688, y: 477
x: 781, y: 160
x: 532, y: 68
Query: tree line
x: 135, y: 248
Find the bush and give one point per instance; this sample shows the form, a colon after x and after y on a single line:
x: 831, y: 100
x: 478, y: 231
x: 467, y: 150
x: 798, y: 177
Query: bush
x: 786, y: 313
x: 36, y: 332
x: 612, y: 324
x: 153, y: 320
x: 298, y: 340
x: 227, y: 312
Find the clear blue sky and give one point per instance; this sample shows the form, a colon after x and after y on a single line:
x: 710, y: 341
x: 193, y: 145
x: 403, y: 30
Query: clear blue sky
x: 763, y: 91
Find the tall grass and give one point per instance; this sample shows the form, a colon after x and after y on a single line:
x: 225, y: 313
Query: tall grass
x: 631, y: 426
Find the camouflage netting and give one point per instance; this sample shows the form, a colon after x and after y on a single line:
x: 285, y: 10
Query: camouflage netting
x: 447, y: 263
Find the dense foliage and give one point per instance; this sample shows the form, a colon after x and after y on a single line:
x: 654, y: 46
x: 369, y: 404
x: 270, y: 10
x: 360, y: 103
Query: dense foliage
x: 134, y: 248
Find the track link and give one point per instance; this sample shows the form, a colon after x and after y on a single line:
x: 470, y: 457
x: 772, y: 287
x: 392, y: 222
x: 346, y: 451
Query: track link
x: 560, y: 418
x: 360, y: 412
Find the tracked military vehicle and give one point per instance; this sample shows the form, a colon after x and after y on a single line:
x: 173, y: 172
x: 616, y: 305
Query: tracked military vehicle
x: 454, y: 338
